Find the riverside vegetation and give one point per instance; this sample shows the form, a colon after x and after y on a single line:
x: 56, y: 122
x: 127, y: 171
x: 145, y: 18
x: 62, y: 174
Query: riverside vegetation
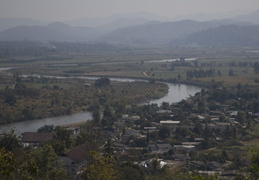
x: 229, y: 78
x: 34, y: 98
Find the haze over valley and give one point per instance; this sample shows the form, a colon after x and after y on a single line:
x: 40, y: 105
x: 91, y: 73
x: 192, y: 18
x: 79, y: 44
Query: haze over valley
x: 129, y: 90
x: 137, y: 28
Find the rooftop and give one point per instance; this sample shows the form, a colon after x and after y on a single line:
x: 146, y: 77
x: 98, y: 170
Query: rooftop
x: 34, y: 137
x: 169, y: 122
x: 78, y: 154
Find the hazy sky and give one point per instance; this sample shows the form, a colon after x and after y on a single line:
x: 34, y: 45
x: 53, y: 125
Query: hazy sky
x: 73, y: 9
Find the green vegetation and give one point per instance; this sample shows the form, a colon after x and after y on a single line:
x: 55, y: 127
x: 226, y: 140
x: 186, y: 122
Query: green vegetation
x: 33, y: 98
x: 222, y: 119
x: 68, y: 59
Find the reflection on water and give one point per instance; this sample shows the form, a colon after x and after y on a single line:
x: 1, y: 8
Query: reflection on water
x: 176, y: 93
x: 34, y: 125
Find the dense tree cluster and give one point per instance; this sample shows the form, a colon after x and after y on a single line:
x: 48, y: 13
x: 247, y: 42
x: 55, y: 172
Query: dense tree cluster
x: 40, y: 50
x: 256, y: 68
x: 201, y: 73
x: 34, y: 98
x: 102, y: 82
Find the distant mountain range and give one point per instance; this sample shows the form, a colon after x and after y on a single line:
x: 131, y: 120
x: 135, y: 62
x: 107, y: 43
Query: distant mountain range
x: 122, y: 23
x: 251, y: 17
x: 52, y: 32
x: 149, y: 32
x: 139, y: 28
x: 212, y: 16
x: 162, y: 32
x: 7, y: 23
x: 97, y: 22
x: 223, y: 36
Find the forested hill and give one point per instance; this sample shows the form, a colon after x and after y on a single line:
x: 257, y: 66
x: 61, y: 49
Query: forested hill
x: 226, y: 36
x: 158, y: 32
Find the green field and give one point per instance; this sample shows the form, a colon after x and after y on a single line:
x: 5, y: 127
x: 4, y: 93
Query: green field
x: 72, y: 59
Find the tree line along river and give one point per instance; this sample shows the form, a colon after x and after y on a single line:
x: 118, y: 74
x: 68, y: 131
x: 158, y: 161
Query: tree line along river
x: 176, y: 93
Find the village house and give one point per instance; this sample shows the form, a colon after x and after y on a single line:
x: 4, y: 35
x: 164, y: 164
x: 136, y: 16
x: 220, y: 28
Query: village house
x: 73, y: 130
x: 224, y: 107
x: 198, y: 139
x: 175, y: 164
x: 219, y: 125
x: 197, y: 145
x: 130, y: 132
x: 35, y: 138
x: 214, y: 118
x: 133, y: 118
x: 232, y: 113
x: 152, y: 147
x: 159, y: 148
x: 187, y: 148
x: 148, y: 163
x: 213, y: 166
x: 170, y: 123
x: 216, y: 113
x: 120, y: 124
x: 180, y: 157
x: 208, y: 173
x: 75, y: 160
x: 195, y: 165
x: 164, y: 147
x: 119, y: 147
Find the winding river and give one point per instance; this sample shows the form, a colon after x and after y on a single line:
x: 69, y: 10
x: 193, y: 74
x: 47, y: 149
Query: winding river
x: 176, y: 93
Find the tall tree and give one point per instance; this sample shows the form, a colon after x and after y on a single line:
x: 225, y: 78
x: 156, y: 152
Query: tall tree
x: 48, y: 163
x: 14, y: 167
x: 104, y: 81
x: 108, y: 117
x: 130, y: 171
x: 254, y: 168
x: 100, y: 167
x: 63, y: 135
x: 164, y: 132
x: 10, y: 141
x: 109, y: 148
x: 256, y: 68
x: 96, y: 116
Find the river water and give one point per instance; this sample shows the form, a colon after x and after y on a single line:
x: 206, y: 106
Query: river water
x: 34, y: 125
x: 176, y: 93
x: 169, y: 60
